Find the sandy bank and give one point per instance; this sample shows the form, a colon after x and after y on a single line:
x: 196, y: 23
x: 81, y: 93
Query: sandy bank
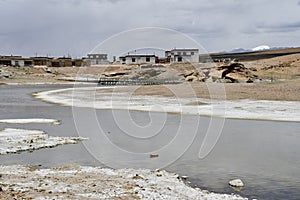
x: 284, y: 91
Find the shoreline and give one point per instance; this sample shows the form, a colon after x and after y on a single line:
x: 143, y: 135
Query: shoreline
x: 285, y: 90
x: 125, y: 98
x: 72, y: 182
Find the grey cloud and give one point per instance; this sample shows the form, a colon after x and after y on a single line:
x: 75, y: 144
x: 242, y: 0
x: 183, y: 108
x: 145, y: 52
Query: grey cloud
x: 280, y: 27
x: 112, y: 1
x: 76, y: 26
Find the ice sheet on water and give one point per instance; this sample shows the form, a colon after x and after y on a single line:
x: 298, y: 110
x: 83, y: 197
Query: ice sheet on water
x: 30, y: 121
x: 236, y: 109
x: 19, y: 140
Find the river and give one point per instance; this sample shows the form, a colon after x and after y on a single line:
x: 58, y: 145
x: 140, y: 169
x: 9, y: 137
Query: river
x: 264, y: 154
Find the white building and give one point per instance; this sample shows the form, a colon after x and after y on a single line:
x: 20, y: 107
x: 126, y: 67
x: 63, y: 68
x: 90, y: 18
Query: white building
x: 138, y: 59
x: 183, y: 55
x: 17, y: 62
x: 98, y: 59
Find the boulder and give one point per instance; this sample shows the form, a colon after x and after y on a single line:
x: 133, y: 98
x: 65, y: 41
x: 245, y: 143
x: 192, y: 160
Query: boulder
x: 184, y: 178
x: 250, y: 80
x: 211, y: 79
x: 202, y: 79
x: 215, y: 74
x: 114, y: 74
x: 237, y: 77
x: 6, y: 75
x: 234, y: 72
x: 226, y: 80
x: 195, y: 73
x: 236, y: 183
x: 192, y: 78
x: 252, y: 69
x: 47, y: 70
x: 201, y: 74
x: 205, y: 72
x: 188, y: 73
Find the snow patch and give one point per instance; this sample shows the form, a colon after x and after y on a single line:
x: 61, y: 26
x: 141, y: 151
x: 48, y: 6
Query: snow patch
x: 29, y: 121
x: 19, y: 140
x: 261, y: 48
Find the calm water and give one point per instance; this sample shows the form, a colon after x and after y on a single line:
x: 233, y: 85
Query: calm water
x: 264, y: 154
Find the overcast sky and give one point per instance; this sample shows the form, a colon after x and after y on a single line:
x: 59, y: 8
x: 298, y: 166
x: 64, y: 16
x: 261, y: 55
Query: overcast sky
x: 75, y: 27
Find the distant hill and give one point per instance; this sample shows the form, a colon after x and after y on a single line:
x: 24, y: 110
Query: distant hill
x: 255, y: 49
x: 250, y: 55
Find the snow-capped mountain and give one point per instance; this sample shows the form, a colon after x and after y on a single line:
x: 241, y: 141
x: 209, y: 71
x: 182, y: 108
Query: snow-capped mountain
x: 261, y: 48
x: 239, y: 50
x: 258, y: 48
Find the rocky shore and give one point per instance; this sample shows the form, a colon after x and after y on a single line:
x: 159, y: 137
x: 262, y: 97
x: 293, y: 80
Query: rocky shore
x: 79, y: 182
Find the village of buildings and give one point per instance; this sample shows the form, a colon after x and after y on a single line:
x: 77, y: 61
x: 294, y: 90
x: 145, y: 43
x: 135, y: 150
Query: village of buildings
x: 180, y: 64
x: 101, y: 59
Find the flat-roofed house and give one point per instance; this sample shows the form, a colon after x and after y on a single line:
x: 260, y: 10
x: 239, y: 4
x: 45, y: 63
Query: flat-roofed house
x: 138, y: 59
x: 41, y: 61
x: 77, y: 62
x: 28, y: 62
x: 98, y: 59
x: 17, y: 62
x: 11, y: 61
x: 61, y: 62
x: 5, y: 61
x: 183, y: 55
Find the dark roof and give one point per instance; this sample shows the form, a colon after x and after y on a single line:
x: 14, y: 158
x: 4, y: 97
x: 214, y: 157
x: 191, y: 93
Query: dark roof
x: 41, y: 57
x: 11, y: 57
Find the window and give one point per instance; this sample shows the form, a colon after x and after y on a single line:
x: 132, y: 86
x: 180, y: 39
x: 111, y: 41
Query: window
x: 179, y: 53
x: 123, y: 59
x: 133, y: 60
x: 184, y: 53
x: 147, y: 59
x: 192, y: 53
x: 179, y: 59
